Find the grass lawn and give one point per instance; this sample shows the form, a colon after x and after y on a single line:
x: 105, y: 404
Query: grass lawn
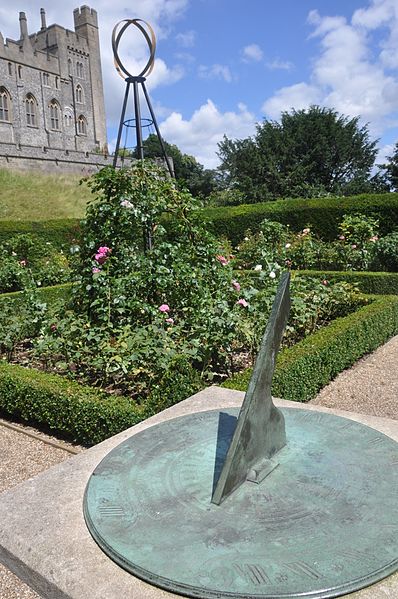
x: 37, y: 196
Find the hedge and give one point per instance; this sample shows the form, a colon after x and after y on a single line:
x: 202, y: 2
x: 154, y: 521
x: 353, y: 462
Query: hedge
x: 48, y: 295
x: 371, y: 283
x: 322, y: 215
x: 302, y: 370
x: 61, y: 232
x: 84, y: 414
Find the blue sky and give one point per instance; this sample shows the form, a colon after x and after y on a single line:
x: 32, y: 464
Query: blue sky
x: 223, y: 65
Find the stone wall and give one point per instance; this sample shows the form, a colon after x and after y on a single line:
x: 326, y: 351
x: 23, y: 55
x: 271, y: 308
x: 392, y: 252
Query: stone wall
x: 51, y: 160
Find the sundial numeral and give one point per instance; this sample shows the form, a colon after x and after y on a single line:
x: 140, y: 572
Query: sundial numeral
x: 110, y: 510
x: 302, y: 568
x: 353, y: 554
x: 375, y: 440
x: 254, y: 573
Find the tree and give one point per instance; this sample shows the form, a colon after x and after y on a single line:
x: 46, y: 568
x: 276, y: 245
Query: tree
x: 188, y: 171
x: 391, y: 168
x: 308, y: 153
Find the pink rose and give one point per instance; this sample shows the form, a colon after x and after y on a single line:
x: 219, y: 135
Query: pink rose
x: 236, y: 285
x: 170, y: 320
x: 96, y: 270
x: 104, y: 250
x: 342, y: 237
x: 325, y: 282
x: 354, y: 246
x: 101, y: 258
x: 53, y: 327
x: 242, y: 302
x: 164, y: 308
x: 222, y: 259
x: 23, y: 262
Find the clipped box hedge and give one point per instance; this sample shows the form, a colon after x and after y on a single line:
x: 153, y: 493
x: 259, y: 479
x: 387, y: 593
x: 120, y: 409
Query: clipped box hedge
x: 322, y: 215
x: 48, y: 295
x: 80, y: 413
x: 302, y: 370
x: 371, y: 283
x: 60, y: 232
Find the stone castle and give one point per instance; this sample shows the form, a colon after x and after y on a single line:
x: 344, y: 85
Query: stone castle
x: 52, y: 112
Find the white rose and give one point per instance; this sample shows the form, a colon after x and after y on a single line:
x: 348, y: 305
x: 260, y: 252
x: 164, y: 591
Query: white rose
x: 258, y: 267
x: 272, y: 274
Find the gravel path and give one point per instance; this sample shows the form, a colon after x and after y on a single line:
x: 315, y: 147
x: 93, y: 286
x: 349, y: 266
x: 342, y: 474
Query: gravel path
x: 23, y: 457
x: 369, y: 387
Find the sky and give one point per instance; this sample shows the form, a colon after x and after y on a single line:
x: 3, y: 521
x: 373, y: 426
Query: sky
x: 224, y: 65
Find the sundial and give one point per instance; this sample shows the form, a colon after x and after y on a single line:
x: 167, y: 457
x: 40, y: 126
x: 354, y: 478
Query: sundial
x: 259, y: 503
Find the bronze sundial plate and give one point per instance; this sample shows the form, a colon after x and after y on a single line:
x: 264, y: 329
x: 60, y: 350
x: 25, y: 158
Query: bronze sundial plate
x: 324, y: 523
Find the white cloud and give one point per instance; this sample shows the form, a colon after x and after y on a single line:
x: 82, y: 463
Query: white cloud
x: 187, y: 39
x: 296, y: 96
x: 350, y: 74
x: 384, y: 153
x: 215, y: 71
x: 252, y: 53
x: 200, y: 135
x: 278, y: 64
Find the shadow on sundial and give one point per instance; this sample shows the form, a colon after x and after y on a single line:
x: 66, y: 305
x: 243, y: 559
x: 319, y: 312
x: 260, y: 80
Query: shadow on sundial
x: 225, y: 432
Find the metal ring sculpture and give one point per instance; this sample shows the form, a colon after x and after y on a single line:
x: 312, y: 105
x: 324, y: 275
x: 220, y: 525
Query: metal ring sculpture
x: 149, y: 37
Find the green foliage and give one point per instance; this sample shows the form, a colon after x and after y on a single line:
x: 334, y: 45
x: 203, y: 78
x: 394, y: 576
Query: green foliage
x: 391, y: 168
x: 321, y: 215
x: 274, y: 246
x: 28, y: 261
x: 134, y: 313
x: 309, y: 152
x: 387, y: 252
x: 302, y: 370
x: 22, y: 323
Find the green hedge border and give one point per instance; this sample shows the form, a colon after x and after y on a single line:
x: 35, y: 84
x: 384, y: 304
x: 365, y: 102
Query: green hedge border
x: 302, y: 370
x: 370, y: 283
x: 322, y: 215
x: 60, y: 232
x: 49, y: 295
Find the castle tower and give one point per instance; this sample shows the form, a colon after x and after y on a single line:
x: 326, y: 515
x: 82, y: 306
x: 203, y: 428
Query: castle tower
x: 86, y: 25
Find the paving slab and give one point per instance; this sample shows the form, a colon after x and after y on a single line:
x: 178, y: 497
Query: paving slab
x: 44, y: 539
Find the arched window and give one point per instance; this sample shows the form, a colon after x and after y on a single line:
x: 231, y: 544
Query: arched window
x: 79, y: 69
x: 57, y: 82
x: 31, y: 110
x: 54, y: 115
x: 69, y: 66
x: 5, y: 105
x: 68, y: 117
x: 9, y: 68
x: 79, y: 94
x: 82, y: 125
x: 20, y: 72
